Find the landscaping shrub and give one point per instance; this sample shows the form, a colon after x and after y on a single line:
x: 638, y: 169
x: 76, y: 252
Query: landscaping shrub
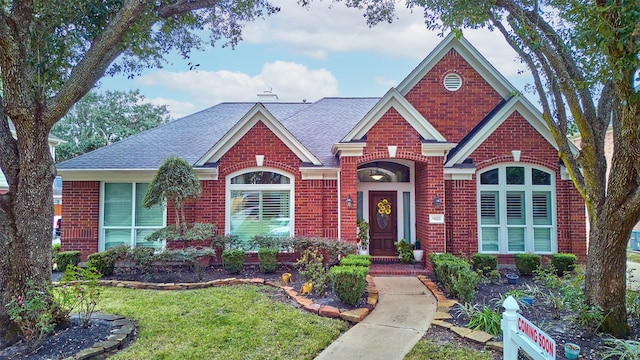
x: 66, y: 258
x: 348, y: 283
x: 356, y: 260
x: 527, y: 263
x: 32, y: 314
x: 455, y: 275
x: 55, y: 249
x: 563, y: 262
x: 311, y: 267
x: 233, y: 260
x: 268, y: 258
x: 484, y: 263
x: 329, y: 249
x: 260, y: 242
x: 102, y: 261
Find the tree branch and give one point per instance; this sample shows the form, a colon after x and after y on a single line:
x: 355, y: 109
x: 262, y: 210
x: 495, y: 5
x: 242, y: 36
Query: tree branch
x: 181, y: 7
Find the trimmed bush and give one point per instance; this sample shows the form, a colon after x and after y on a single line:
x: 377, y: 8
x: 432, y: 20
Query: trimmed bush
x: 484, y: 263
x: 563, y: 262
x: 455, y: 275
x: 66, y: 258
x: 527, y: 263
x: 268, y: 258
x: 356, y: 260
x: 102, y: 261
x: 233, y: 260
x: 348, y: 283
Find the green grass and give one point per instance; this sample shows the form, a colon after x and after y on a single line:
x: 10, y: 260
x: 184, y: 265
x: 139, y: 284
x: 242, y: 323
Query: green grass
x: 236, y: 322
x: 633, y: 257
x: 427, y: 349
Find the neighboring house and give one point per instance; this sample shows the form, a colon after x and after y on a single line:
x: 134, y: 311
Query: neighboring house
x: 451, y: 156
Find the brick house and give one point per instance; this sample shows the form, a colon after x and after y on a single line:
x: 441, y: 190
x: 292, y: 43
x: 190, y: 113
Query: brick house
x: 450, y: 157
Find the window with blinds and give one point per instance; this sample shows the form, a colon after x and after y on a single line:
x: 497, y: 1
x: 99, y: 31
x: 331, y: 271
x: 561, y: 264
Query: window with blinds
x: 260, y: 204
x: 515, y: 210
x: 124, y: 220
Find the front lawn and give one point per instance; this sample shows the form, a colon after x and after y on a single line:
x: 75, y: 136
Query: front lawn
x: 234, y: 322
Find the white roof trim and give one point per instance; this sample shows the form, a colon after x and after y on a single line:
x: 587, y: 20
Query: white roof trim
x: 437, y: 149
x: 319, y: 173
x: 348, y: 149
x: 459, y: 173
x: 126, y: 175
x: 257, y: 113
x: 393, y: 99
x: 516, y: 103
x: 470, y: 54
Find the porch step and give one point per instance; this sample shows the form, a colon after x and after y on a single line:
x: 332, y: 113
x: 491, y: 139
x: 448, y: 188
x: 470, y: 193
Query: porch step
x: 385, y: 260
x: 391, y: 265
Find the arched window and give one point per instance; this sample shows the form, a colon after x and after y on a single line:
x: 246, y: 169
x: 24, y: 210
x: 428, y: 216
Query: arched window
x: 516, y: 210
x: 259, y: 203
x: 383, y: 171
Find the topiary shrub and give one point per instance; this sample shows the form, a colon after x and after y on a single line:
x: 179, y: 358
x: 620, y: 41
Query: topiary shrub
x: 102, y: 261
x: 348, y: 283
x: 66, y: 258
x: 563, y: 262
x: 356, y: 260
x: 268, y: 258
x: 233, y: 260
x: 527, y: 263
x: 484, y: 263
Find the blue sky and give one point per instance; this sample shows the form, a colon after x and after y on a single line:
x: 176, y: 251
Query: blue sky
x: 326, y: 50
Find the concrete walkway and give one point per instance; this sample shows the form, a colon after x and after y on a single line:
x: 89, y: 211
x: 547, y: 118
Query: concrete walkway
x: 404, y: 313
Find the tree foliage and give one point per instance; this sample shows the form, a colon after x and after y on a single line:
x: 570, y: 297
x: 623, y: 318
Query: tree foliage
x: 100, y: 119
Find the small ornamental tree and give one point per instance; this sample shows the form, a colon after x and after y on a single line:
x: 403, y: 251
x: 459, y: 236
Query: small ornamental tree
x: 177, y: 183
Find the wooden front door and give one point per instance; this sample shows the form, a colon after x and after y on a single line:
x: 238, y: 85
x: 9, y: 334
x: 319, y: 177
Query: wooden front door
x: 383, y: 229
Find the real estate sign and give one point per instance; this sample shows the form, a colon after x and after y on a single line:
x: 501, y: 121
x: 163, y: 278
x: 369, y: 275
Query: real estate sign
x: 543, y: 341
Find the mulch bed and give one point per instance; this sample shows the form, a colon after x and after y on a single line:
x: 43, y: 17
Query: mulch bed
x: 561, y: 329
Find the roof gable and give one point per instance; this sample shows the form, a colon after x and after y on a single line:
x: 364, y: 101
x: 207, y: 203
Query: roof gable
x: 487, y: 127
x: 393, y: 99
x: 469, y: 54
x: 257, y: 113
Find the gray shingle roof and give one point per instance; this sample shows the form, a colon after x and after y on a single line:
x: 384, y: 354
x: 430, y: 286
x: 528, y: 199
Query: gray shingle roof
x: 316, y: 125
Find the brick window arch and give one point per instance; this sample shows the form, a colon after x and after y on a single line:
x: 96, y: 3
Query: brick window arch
x: 516, y: 209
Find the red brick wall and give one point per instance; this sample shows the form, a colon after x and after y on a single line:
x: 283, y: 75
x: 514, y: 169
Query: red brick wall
x: 455, y: 113
x: 80, y: 214
x: 514, y: 134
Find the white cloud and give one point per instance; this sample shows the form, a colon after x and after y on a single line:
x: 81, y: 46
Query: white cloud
x: 291, y: 82
x: 177, y: 109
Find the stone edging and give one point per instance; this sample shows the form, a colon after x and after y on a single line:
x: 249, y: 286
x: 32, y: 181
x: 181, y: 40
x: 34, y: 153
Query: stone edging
x: 442, y: 314
x: 122, y: 331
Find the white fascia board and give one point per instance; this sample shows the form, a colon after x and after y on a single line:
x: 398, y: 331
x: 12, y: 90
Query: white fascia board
x: 437, y: 149
x: 126, y: 175
x: 309, y: 173
x: 258, y: 112
x: 516, y: 103
x: 470, y: 54
x: 459, y: 173
x: 348, y: 149
x: 393, y: 99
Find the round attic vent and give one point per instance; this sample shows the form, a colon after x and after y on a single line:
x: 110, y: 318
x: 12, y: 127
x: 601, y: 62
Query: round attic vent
x: 452, y: 82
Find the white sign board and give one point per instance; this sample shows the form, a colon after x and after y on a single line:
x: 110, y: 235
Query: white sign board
x: 436, y: 218
x: 543, y: 341
x: 518, y: 332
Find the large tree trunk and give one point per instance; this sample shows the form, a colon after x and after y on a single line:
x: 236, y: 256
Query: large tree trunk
x: 26, y: 219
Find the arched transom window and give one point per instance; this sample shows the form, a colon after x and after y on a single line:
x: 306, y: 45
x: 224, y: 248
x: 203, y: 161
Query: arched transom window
x: 259, y: 203
x: 516, y: 210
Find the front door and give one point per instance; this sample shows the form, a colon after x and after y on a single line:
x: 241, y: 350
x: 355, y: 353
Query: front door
x: 383, y: 230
